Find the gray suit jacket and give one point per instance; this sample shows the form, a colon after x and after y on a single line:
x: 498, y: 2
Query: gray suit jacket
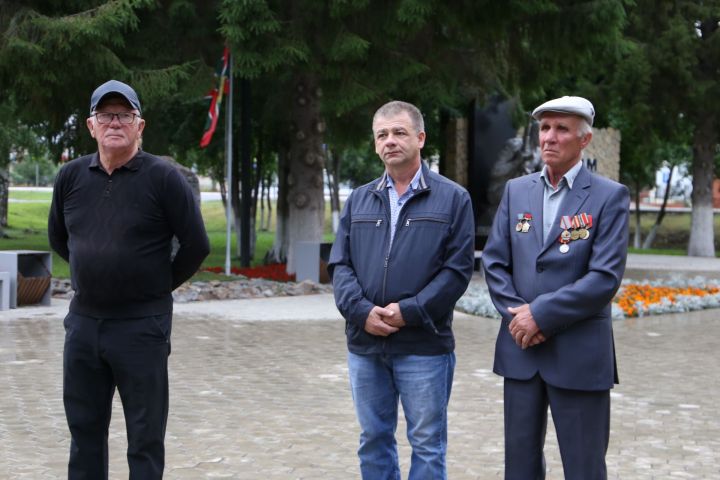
x: 569, y: 294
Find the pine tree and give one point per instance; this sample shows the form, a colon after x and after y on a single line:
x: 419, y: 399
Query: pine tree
x: 332, y: 61
x: 54, y: 54
x: 668, y: 92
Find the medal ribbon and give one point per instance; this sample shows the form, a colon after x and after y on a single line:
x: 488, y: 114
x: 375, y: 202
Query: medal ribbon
x: 586, y: 220
x: 565, y: 222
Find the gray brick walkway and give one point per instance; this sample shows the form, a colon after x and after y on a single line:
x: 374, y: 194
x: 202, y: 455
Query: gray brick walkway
x: 255, y: 399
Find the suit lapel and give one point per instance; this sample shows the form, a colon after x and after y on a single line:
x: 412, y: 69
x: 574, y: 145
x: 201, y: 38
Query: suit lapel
x: 535, y: 200
x: 571, y: 204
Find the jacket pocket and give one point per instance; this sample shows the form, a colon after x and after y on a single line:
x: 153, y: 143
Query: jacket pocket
x: 426, y: 220
x: 366, y: 221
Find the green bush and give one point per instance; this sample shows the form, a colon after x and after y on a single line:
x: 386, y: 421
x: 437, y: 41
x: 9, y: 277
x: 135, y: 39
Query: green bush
x: 33, y: 171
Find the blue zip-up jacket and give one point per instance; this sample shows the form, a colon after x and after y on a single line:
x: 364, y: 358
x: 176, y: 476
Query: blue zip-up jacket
x: 426, y: 270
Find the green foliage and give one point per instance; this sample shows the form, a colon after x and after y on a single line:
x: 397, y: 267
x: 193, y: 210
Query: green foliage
x: 260, y: 38
x: 54, y: 54
x: 668, y: 72
x: 360, y: 166
x: 39, y: 171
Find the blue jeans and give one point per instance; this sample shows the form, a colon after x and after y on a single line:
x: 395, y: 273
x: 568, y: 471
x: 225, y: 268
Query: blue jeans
x: 423, y: 384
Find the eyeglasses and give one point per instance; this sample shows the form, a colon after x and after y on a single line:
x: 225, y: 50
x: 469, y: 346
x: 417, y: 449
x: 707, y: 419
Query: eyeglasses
x: 126, y: 118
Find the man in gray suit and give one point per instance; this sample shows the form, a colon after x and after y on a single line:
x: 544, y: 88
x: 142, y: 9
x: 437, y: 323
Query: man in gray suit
x: 553, y: 261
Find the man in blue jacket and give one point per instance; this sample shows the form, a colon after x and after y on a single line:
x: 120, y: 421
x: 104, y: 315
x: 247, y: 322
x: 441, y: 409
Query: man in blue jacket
x: 553, y: 261
x: 402, y: 257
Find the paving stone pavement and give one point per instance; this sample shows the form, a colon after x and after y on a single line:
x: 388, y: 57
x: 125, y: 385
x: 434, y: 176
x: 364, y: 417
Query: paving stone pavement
x: 254, y: 399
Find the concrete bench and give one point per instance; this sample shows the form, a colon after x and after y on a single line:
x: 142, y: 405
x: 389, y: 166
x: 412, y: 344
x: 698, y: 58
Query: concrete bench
x: 30, y: 263
x: 311, y: 261
x: 4, y: 291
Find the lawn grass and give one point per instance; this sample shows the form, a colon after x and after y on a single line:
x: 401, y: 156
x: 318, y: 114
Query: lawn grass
x: 27, y: 230
x: 672, y: 236
x: 658, y: 251
x: 31, y: 195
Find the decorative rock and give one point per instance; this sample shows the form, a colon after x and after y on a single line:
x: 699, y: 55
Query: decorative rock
x: 216, y: 290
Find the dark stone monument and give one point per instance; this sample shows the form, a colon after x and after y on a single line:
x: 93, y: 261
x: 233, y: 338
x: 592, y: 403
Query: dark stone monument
x: 496, y: 154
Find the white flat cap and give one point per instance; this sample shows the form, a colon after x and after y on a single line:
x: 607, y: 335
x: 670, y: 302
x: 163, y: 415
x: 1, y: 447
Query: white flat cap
x: 572, y: 105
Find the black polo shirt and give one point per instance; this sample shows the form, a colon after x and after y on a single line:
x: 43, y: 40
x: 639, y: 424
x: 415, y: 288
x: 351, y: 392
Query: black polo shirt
x: 116, y: 231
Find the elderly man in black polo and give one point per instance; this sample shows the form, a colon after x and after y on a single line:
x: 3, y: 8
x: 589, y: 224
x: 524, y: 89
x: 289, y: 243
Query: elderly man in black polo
x: 113, y: 216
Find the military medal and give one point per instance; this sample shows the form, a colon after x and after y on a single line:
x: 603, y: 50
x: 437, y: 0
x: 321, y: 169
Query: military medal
x: 584, y: 234
x: 565, y: 236
x: 564, y: 240
x: 565, y: 225
x: 523, y: 224
x: 586, y: 222
x: 526, y: 225
x: 575, y: 234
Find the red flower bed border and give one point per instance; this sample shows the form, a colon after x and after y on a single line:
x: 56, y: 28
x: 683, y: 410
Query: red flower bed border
x: 276, y: 272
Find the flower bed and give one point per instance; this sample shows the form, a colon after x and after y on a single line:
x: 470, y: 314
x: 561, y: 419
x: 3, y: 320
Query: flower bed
x: 634, y: 299
x: 652, y: 298
x: 276, y: 272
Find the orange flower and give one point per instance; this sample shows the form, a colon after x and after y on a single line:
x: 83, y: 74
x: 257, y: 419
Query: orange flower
x: 633, y: 294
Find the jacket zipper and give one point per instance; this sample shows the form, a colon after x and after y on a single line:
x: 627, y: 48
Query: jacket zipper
x: 377, y: 222
x: 387, y: 260
x: 387, y: 256
x: 427, y: 219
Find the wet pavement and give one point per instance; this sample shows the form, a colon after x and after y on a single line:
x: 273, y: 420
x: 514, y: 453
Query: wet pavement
x: 259, y: 390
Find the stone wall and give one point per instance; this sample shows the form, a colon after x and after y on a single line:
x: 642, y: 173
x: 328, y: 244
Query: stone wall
x: 603, y: 154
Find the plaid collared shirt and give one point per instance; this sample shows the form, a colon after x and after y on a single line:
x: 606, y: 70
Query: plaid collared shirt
x: 397, y: 202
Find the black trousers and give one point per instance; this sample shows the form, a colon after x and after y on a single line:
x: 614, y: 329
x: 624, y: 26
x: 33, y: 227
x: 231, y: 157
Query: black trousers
x: 128, y: 354
x: 582, y: 425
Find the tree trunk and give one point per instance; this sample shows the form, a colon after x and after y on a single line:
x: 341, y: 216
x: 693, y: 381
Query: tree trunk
x: 4, y: 197
x: 279, y: 251
x: 223, y: 195
x: 637, y: 239
x: 268, y: 200
x: 661, y: 214
x: 234, y: 193
x: 333, y: 175
x: 247, y: 224
x: 256, y: 192
x: 702, y: 236
x: 261, y: 198
x: 306, y: 204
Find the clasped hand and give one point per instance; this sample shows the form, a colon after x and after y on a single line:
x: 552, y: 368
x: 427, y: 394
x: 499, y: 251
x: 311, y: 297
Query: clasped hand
x: 523, y: 328
x: 384, y: 321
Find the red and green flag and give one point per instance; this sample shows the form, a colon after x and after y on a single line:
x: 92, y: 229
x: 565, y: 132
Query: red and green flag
x: 216, y: 96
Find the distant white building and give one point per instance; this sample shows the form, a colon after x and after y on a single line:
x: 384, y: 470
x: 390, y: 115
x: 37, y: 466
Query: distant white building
x: 680, y: 184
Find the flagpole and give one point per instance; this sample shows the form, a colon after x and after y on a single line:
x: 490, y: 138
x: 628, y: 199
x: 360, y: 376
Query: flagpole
x: 228, y: 167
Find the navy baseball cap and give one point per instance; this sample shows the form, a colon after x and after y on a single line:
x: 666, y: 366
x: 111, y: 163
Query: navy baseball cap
x: 114, y: 88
